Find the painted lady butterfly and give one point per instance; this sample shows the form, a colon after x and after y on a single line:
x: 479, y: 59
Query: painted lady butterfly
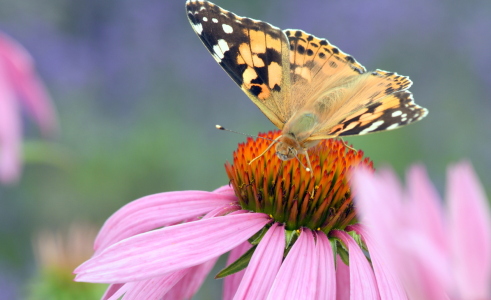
x: 306, y: 86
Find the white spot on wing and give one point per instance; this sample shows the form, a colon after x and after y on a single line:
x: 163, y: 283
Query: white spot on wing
x: 227, y: 28
x: 205, y: 19
x: 396, y: 113
x: 214, y: 20
x: 202, y: 8
x: 198, y: 28
x: 223, y: 45
x: 393, y: 126
x: 372, y: 127
x: 218, y: 52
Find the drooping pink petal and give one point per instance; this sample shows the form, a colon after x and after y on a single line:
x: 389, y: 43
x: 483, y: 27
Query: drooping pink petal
x: 470, y: 232
x: 170, y: 249
x: 153, y: 288
x: 263, y: 266
x: 231, y: 282
x: 191, y: 282
x: 118, y: 293
x: 10, y: 132
x: 156, y: 211
x: 363, y: 285
x: 326, y: 271
x: 113, y: 290
x: 24, y: 80
x: 298, y: 273
x: 342, y: 280
x: 388, y: 284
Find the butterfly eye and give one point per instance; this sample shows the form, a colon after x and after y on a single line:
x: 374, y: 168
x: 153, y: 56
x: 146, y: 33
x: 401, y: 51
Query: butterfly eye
x: 283, y: 156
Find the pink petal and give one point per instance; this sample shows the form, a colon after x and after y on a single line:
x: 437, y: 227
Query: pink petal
x: 153, y: 288
x: 170, y: 249
x: 326, y: 271
x: 23, y: 78
x: 388, y: 284
x: 297, y: 276
x: 226, y: 189
x: 112, y: 290
x: 342, y: 280
x: 156, y: 211
x: 363, y: 285
x: 10, y: 132
x: 372, y: 195
x: 421, y: 266
x: 231, y: 282
x: 191, y: 282
x: 119, y: 293
x: 264, y: 265
x: 416, y: 260
x: 470, y: 231
x: 426, y: 206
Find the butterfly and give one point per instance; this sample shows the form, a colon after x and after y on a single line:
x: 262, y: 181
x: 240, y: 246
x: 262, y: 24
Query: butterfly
x: 305, y: 85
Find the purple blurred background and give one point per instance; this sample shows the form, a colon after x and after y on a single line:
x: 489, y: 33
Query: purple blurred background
x: 138, y: 97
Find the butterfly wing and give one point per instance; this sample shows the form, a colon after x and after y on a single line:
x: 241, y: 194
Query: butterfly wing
x: 390, y: 112
x: 345, y: 99
x: 316, y: 66
x: 372, y: 102
x: 255, y: 54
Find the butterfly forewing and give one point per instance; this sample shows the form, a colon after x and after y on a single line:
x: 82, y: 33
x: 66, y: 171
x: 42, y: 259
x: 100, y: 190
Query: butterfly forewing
x: 316, y: 66
x: 255, y: 54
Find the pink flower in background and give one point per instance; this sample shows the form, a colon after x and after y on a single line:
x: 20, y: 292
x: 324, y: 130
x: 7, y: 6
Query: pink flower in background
x: 292, y: 235
x: 19, y: 86
x: 437, y: 252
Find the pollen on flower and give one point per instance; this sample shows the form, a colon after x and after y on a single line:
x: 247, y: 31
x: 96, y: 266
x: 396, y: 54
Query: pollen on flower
x: 288, y: 193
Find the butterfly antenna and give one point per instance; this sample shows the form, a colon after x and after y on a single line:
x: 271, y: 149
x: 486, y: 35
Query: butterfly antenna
x: 267, y: 149
x: 220, y: 127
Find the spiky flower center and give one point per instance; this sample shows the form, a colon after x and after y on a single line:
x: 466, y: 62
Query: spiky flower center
x: 288, y: 192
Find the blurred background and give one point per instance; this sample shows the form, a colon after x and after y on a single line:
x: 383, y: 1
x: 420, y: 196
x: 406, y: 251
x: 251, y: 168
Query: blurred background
x: 138, y: 97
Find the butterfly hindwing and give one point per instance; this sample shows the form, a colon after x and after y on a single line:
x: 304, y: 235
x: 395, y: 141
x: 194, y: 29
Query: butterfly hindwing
x: 255, y: 54
x: 392, y: 111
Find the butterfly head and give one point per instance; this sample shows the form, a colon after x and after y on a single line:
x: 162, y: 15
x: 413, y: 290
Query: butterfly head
x: 287, y: 147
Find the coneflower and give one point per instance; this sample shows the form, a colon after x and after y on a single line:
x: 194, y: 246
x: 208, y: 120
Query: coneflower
x: 289, y: 233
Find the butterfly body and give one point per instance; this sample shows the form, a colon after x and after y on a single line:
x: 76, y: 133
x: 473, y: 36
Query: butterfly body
x: 306, y: 86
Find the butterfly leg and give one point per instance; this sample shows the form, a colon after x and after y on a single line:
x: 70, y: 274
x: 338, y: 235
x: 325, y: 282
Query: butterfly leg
x: 267, y: 149
x: 309, y: 168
